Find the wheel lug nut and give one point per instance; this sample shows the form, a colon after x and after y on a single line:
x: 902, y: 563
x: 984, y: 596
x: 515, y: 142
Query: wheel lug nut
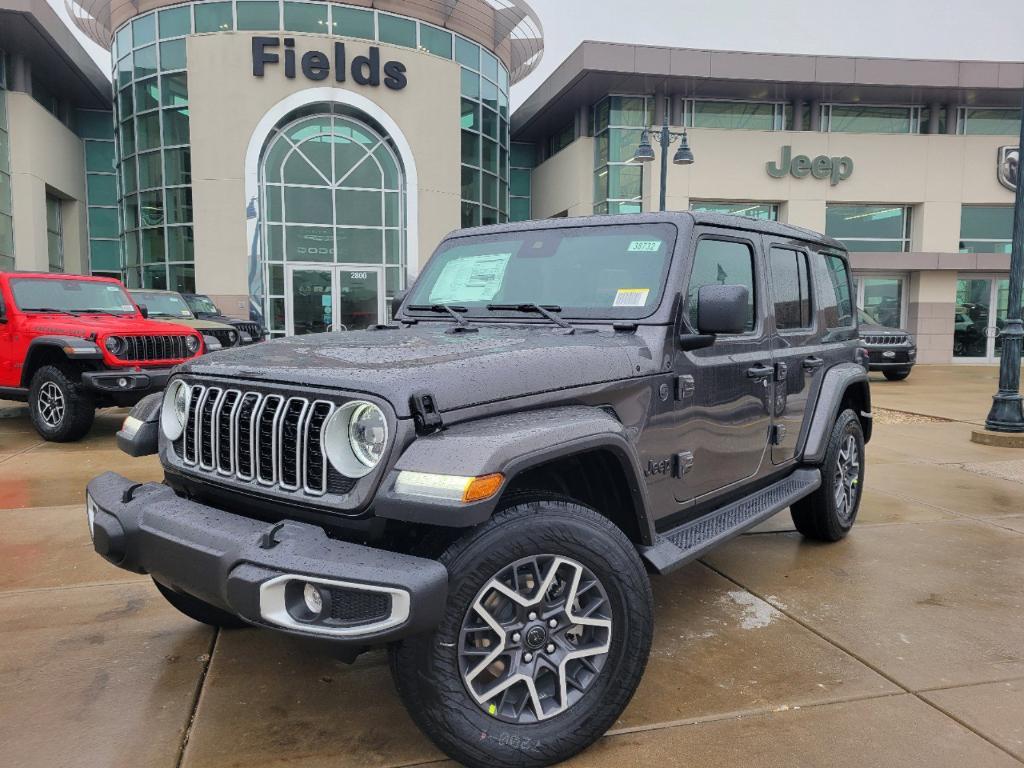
x: 551, y: 648
x: 533, y: 616
x: 553, y: 623
x: 515, y: 637
x: 527, y: 657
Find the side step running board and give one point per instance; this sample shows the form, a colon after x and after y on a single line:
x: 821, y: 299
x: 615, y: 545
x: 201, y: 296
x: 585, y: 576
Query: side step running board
x: 680, y: 545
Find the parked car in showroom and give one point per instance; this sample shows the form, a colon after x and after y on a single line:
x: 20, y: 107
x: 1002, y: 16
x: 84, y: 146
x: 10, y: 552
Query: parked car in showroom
x: 72, y: 344
x: 172, y: 307
x: 202, y: 306
x: 559, y: 409
x: 890, y: 350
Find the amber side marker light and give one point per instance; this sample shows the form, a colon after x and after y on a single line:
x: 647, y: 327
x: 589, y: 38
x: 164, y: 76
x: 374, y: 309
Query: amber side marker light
x: 457, y: 488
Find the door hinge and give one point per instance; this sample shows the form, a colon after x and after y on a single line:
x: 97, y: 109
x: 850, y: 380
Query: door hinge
x: 682, y: 464
x: 778, y: 434
x: 424, y: 413
x: 781, y: 370
x: 684, y: 387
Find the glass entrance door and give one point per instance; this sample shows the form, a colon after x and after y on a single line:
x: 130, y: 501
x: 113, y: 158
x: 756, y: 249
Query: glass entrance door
x: 980, y: 313
x: 319, y: 299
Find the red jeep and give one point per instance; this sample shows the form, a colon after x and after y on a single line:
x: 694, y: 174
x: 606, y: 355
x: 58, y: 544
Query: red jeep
x: 71, y: 344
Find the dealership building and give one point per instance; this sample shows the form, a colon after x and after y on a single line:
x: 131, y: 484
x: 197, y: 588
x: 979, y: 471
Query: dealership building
x: 298, y: 161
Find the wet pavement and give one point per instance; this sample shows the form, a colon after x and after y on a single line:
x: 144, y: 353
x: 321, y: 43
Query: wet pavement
x: 901, y: 645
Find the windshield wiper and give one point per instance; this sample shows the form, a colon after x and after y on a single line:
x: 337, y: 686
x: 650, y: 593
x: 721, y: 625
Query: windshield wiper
x: 547, y: 311
x: 461, y: 324
x: 53, y: 310
x: 92, y: 311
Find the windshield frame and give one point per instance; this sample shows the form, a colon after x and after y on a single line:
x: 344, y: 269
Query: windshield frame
x: 139, y: 296
x: 119, y: 312
x: 675, y: 236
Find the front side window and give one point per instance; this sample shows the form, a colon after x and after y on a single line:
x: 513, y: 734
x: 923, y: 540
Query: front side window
x: 835, y: 298
x: 160, y: 304
x: 69, y: 295
x: 791, y: 288
x: 587, y: 272
x: 763, y: 211
x: 986, y: 228
x: 721, y: 262
x: 869, y: 228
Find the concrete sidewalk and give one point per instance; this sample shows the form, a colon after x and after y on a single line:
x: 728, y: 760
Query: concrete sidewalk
x: 902, y: 645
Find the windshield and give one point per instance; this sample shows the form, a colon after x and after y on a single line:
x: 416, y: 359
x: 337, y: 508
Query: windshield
x: 36, y: 294
x: 586, y: 272
x: 202, y: 304
x: 163, y: 304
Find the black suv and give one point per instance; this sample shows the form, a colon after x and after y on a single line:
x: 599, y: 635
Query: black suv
x: 559, y: 409
x: 203, y: 308
x: 890, y: 350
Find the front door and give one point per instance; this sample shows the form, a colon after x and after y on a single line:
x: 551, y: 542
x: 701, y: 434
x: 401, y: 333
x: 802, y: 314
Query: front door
x: 346, y: 297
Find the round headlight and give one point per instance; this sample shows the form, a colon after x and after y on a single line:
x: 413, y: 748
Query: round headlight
x: 192, y: 344
x: 114, y: 345
x: 174, y: 412
x: 355, y: 438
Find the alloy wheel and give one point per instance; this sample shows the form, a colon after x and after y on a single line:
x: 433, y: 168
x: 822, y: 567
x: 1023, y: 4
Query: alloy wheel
x: 51, y: 404
x: 847, y: 479
x: 535, y: 639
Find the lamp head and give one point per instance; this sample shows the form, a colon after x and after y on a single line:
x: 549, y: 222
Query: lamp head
x: 644, y: 152
x: 683, y: 155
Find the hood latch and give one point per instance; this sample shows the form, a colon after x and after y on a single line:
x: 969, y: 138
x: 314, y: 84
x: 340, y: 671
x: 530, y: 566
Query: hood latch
x: 425, y: 413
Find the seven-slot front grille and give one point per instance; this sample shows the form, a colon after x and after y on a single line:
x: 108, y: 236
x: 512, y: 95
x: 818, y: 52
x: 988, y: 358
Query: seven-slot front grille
x: 271, y: 439
x: 154, y: 348
x: 253, y: 329
x: 223, y: 336
x: 885, y: 340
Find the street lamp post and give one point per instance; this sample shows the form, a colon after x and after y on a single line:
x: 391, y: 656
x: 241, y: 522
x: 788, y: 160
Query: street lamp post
x: 645, y: 152
x: 1007, y: 413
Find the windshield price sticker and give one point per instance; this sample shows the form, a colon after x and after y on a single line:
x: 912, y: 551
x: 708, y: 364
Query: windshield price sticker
x: 644, y: 246
x: 631, y: 297
x: 470, y: 278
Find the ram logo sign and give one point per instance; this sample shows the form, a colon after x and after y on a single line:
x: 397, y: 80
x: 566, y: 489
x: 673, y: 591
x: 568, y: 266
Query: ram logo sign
x: 1008, y: 167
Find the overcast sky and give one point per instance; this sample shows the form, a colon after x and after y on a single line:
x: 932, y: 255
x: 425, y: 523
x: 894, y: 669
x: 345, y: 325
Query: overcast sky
x: 939, y: 29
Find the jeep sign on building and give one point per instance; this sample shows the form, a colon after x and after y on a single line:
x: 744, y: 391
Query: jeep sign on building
x: 298, y: 160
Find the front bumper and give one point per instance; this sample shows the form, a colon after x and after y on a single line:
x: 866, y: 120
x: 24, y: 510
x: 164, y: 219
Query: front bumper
x: 891, y: 358
x: 258, y: 570
x: 138, y: 383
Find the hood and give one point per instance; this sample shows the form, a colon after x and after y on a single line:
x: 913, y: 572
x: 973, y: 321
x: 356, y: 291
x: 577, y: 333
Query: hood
x: 872, y: 329
x: 86, y: 325
x: 499, y: 362
x: 199, y: 325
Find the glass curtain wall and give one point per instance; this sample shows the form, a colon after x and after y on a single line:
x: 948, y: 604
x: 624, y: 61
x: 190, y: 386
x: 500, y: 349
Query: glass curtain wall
x: 986, y: 228
x: 867, y: 118
x: 6, y: 201
x: 763, y: 211
x: 54, y: 234
x: 619, y: 122
x: 96, y: 129
x: 869, y: 228
x: 736, y: 115
x: 522, y: 161
x: 988, y: 122
x: 881, y: 298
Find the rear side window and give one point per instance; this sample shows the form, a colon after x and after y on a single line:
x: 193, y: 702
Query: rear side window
x: 721, y: 262
x: 832, y: 275
x: 791, y: 288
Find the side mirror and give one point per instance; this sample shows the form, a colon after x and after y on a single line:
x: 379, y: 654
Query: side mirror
x: 396, y: 301
x: 722, y: 309
x: 144, y: 310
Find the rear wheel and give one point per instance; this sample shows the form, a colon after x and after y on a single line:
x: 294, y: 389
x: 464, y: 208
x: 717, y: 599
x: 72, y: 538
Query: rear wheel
x: 200, y: 611
x: 895, y: 375
x: 828, y: 514
x: 61, y: 411
x: 545, y: 637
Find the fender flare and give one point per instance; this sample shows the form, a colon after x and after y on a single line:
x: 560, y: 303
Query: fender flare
x: 510, y: 444
x: 73, y: 348
x: 837, y: 382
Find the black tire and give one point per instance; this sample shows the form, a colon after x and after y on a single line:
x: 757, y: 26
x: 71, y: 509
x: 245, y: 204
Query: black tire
x: 821, y: 516
x: 199, y: 611
x: 428, y: 670
x: 895, y: 375
x: 72, y: 418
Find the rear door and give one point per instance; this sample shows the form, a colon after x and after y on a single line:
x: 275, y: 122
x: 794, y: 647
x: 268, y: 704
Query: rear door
x: 725, y: 419
x: 797, y: 350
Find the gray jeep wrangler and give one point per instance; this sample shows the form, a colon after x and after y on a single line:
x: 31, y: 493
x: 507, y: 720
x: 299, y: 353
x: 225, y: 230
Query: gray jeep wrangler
x: 559, y: 409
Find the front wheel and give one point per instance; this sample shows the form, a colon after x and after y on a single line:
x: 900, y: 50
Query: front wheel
x: 61, y: 411
x: 828, y: 514
x: 543, y: 642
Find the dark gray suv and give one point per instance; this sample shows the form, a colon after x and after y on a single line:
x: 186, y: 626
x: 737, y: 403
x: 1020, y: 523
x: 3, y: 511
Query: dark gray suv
x: 558, y: 410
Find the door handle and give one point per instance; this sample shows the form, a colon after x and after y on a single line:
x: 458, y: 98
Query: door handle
x: 812, y: 363
x: 760, y: 371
